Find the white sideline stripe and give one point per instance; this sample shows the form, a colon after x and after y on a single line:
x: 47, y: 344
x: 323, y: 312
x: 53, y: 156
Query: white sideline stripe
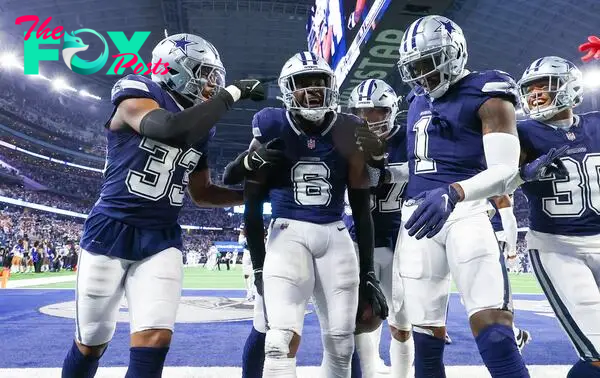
x: 14, y: 284
x: 536, y: 371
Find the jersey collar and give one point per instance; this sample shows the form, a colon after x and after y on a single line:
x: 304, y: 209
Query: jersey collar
x: 300, y: 132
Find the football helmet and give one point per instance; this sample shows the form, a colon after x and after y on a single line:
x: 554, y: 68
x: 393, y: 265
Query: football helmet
x: 375, y: 94
x: 299, y: 92
x: 562, y: 85
x: 433, y: 55
x: 195, y: 70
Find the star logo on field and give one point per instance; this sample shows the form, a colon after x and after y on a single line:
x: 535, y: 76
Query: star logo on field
x: 181, y: 44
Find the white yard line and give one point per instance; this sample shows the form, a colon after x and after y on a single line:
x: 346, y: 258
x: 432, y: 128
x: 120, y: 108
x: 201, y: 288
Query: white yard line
x: 13, y: 284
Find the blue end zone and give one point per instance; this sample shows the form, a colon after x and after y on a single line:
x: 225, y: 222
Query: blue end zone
x: 220, y: 343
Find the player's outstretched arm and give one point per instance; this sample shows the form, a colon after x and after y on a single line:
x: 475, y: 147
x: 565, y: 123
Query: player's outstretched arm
x: 148, y: 119
x: 206, y: 194
x: 254, y: 198
x: 502, y: 152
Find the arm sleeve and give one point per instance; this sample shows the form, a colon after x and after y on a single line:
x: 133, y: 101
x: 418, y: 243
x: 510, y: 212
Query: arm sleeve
x: 502, y: 155
x: 194, y: 123
x: 254, y: 197
x: 359, y: 200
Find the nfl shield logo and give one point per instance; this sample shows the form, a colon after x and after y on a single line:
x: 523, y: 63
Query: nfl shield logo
x: 311, y: 143
x: 570, y: 135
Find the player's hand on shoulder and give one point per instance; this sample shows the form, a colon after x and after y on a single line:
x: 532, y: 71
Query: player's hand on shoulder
x: 369, y: 143
x: 269, y: 155
x: 251, y: 89
x: 372, y: 307
x: 545, y: 166
x: 435, y: 206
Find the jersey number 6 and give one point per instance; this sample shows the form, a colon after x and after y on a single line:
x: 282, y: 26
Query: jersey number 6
x: 311, y: 183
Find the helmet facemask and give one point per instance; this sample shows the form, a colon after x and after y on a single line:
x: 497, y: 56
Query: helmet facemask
x: 309, y: 94
x: 379, y: 119
x: 205, y: 79
x: 543, y: 97
x: 430, y: 72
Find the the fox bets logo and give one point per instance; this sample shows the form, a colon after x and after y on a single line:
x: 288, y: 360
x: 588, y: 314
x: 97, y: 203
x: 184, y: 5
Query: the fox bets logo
x: 128, y: 56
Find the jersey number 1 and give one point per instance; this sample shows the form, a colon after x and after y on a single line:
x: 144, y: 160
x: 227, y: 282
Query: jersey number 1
x: 154, y: 181
x: 423, y: 164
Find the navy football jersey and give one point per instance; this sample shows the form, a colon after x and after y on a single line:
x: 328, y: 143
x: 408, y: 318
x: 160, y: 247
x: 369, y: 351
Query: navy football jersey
x: 444, y: 137
x: 386, y: 199
x: 565, y: 206
x: 319, y: 167
x: 144, y: 183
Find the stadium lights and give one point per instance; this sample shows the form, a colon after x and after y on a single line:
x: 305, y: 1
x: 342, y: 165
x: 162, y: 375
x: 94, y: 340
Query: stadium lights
x: 591, y: 79
x: 84, y: 93
x: 60, y: 84
x: 9, y: 60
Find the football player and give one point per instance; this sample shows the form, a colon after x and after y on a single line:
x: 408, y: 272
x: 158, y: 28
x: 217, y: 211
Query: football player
x: 246, y: 265
x: 458, y: 121
x: 376, y: 102
x: 505, y: 227
x: 309, y: 250
x: 157, y: 139
x: 564, y: 206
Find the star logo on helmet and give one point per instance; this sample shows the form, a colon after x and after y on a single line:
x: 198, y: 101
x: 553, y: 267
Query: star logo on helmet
x: 181, y: 44
x: 446, y: 25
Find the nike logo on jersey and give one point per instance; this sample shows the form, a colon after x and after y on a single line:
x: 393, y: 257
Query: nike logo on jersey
x: 341, y: 228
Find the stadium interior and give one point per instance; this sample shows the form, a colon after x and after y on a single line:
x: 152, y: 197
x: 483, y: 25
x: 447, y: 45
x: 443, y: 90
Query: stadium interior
x: 52, y: 154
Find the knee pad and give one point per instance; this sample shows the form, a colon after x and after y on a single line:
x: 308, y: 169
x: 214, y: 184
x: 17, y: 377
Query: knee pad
x: 94, y: 335
x: 277, y: 343
x: 338, y: 344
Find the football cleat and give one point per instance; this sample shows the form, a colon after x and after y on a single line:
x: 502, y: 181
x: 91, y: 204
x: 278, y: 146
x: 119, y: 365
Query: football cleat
x: 523, y: 338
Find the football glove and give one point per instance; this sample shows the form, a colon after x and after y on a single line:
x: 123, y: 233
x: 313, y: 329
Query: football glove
x: 251, y: 89
x: 258, y: 281
x: 545, y: 166
x: 370, y: 294
x: 270, y: 154
x: 432, y: 213
x: 369, y: 143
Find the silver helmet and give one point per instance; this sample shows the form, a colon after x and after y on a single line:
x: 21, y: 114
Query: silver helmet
x: 561, y: 87
x: 375, y: 94
x: 308, y: 86
x: 433, y: 55
x: 195, y: 70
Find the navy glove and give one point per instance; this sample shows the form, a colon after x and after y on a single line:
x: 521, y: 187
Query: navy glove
x: 545, y: 166
x: 431, y: 214
x: 369, y: 143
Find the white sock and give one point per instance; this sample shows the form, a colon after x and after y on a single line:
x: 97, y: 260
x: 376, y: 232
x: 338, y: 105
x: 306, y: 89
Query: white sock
x: 516, y: 331
x: 402, y: 355
x: 366, y: 352
x: 279, y: 367
x: 376, y: 338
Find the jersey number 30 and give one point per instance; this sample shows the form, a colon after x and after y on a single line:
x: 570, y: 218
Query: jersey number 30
x: 578, y: 192
x: 311, y: 183
x: 154, y: 181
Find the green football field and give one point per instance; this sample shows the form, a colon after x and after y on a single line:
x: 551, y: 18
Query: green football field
x: 200, y: 278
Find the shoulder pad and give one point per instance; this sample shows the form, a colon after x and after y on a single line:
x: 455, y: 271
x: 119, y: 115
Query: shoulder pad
x: 135, y: 86
x: 410, y: 96
x: 492, y: 83
x: 267, y: 123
